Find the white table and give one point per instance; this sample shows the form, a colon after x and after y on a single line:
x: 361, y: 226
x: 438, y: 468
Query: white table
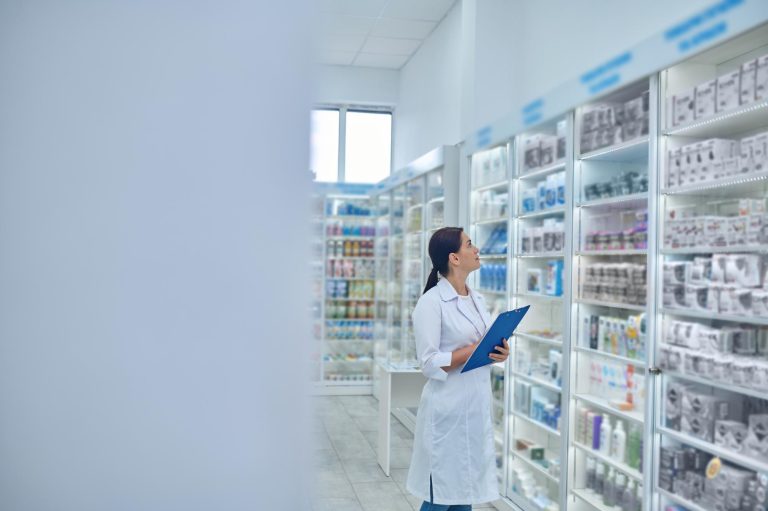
x: 400, y: 388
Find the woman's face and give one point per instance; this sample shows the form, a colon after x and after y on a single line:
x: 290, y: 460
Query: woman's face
x: 468, y: 256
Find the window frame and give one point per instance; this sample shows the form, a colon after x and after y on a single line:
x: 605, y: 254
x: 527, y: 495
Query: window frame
x: 368, y: 109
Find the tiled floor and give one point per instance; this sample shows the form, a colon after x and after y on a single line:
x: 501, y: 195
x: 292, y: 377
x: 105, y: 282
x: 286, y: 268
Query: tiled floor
x: 347, y: 475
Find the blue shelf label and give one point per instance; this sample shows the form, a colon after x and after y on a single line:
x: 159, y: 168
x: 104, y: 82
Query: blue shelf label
x: 704, y: 16
x: 484, y: 136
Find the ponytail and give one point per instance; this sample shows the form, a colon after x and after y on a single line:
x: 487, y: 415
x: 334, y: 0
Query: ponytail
x: 431, y: 280
x: 443, y: 243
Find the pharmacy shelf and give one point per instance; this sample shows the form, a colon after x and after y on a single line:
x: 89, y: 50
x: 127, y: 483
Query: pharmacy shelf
x: 492, y: 186
x: 709, y: 382
x: 612, y: 305
x: 491, y: 221
x: 350, y: 217
x: 740, y: 183
x: 627, y: 252
x: 593, y: 500
x: 620, y: 202
x: 539, y: 296
x: 559, y: 210
x: 687, y: 504
x: 726, y: 454
x: 740, y: 120
x: 349, y: 362
x: 536, y: 381
x: 490, y: 292
x: 762, y: 249
x: 610, y: 356
x: 539, y: 339
x: 537, y: 424
x: 543, y: 171
x: 536, y: 467
x: 352, y: 258
x: 631, y: 150
x: 349, y: 237
x: 621, y: 467
x: 493, y: 256
x: 540, y: 255
x: 602, y: 404
x: 747, y: 320
x: 353, y: 279
x: 328, y: 298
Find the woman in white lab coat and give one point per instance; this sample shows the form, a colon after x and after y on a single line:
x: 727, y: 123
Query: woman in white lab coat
x: 454, y: 461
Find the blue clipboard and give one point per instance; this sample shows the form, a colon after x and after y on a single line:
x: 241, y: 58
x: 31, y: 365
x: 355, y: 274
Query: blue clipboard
x: 501, y: 329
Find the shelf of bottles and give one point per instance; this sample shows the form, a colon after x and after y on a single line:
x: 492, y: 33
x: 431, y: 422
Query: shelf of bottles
x: 317, y: 271
x: 413, y: 278
x: 712, y: 333
x: 614, y: 171
x: 348, y: 306
x: 538, y: 268
x: 381, y: 206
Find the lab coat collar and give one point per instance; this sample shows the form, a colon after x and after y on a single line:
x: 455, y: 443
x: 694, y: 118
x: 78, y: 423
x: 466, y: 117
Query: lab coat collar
x: 448, y: 293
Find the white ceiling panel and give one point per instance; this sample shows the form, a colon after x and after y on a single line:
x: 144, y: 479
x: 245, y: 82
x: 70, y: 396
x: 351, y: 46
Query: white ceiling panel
x: 343, y: 42
x: 390, y: 46
x: 337, y: 58
x: 427, y: 10
x: 377, y: 60
x: 337, y: 24
x: 405, y: 29
x: 369, y: 8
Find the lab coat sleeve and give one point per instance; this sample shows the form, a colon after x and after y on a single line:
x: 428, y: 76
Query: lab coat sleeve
x: 427, y: 320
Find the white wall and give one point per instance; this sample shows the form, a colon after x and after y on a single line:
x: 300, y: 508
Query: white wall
x: 357, y: 85
x: 153, y: 322
x: 490, y: 57
x: 429, y: 110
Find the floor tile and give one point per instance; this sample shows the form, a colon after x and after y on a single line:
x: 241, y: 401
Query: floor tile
x: 326, y: 459
x: 364, y: 471
x: 337, y: 505
x: 381, y: 497
x: 333, y: 484
x: 367, y: 423
x: 399, y: 458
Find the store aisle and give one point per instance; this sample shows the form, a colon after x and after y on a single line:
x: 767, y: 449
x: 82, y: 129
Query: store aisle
x: 347, y: 476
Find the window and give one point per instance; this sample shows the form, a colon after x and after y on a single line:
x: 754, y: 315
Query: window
x: 350, y: 145
x: 324, y: 145
x: 369, y: 146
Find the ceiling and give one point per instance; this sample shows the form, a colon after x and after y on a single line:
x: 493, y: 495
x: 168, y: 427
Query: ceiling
x: 376, y: 33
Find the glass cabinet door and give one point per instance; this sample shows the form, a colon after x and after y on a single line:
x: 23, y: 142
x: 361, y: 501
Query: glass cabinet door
x: 396, y: 274
x: 414, y: 278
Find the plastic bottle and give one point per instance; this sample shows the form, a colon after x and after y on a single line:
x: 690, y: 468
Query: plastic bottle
x: 590, y: 473
x: 634, y: 439
x: 609, y: 489
x: 597, y: 422
x: 581, y: 433
x: 606, y: 431
x: 619, y: 442
x: 627, y: 500
x: 599, y: 478
x: 619, y: 487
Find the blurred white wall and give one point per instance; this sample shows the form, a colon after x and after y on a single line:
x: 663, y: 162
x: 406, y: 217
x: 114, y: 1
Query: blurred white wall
x: 153, y: 314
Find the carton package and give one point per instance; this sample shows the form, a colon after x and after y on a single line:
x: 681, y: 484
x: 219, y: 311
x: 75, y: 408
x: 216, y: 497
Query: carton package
x: 760, y: 152
x: 673, y: 404
x: 746, y: 160
x: 756, y: 444
x: 748, y: 77
x: 728, y: 91
x: 705, y: 406
x: 730, y: 434
x: 684, y: 107
x: 673, y: 167
x: 705, y: 99
x: 548, y: 150
x: 761, y: 79
x: 532, y: 152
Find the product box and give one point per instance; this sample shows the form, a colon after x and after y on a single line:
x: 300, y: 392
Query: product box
x: 756, y: 444
x: 760, y: 303
x: 696, y: 297
x: 673, y: 404
x: 748, y: 77
x: 561, y: 132
x: 730, y: 434
x: 705, y: 99
x: 697, y: 427
x: 532, y: 152
x: 534, y: 280
x: 760, y: 152
x: 548, y: 150
x: 711, y: 151
x: 737, y: 231
x: 728, y: 91
x: 674, y: 162
x: 705, y: 406
x: 684, y: 107
x: 554, y: 278
x: 746, y: 160
x: 761, y: 79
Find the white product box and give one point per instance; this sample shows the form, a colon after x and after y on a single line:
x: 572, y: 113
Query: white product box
x: 747, y: 268
x: 760, y: 303
x: 716, y: 231
x: 532, y: 152
x: 728, y: 91
x: 730, y: 166
x: 730, y: 434
x: 755, y: 228
x: 737, y: 231
x: 548, y: 150
x: 756, y: 445
x: 718, y: 268
x: 696, y: 297
x: 674, y: 161
x: 751, y: 206
x: 760, y: 152
x: 711, y: 151
x: 747, y: 87
x: 746, y: 161
x: 706, y: 94
x: 741, y: 303
x: 705, y: 406
x: 684, y: 107
x: 713, y: 298
x: 687, y: 169
x: 761, y: 79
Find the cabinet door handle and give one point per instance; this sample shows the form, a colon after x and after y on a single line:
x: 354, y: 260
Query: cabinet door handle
x: 654, y: 370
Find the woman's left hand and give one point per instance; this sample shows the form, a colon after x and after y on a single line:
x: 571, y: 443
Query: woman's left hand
x: 503, y: 353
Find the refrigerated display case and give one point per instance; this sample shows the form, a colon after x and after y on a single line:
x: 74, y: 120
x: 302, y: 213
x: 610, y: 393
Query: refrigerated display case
x: 420, y: 198
x: 712, y: 293
x: 539, y: 365
x: 614, y: 169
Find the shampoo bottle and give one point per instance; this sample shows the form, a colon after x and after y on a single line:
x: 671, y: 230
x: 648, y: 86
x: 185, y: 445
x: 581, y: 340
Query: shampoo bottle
x: 634, y: 440
x: 609, y: 489
x: 618, y: 442
x: 627, y: 501
x: 605, y: 435
x: 599, y: 478
x: 597, y: 423
x: 590, y: 473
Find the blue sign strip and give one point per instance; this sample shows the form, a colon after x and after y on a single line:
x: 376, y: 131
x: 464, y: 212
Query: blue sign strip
x: 704, y: 16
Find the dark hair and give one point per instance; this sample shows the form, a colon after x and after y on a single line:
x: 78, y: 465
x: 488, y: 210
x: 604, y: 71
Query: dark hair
x: 443, y: 242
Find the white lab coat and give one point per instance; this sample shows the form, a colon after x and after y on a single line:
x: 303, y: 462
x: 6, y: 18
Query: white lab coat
x: 454, y: 428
